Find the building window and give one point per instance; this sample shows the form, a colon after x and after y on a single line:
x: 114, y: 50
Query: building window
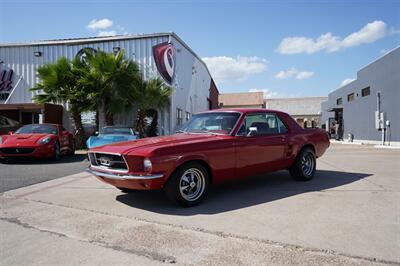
x: 350, y: 97
x: 365, y: 92
x: 187, y: 116
x: 339, y: 101
x: 178, y: 117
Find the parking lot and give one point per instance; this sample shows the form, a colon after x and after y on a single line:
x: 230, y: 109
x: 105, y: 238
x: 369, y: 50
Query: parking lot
x: 348, y: 214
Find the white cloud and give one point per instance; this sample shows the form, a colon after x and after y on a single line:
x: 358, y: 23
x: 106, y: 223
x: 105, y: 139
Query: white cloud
x: 224, y: 68
x: 327, y: 42
x: 100, y: 24
x: 346, y: 81
x: 294, y: 73
x: 107, y: 33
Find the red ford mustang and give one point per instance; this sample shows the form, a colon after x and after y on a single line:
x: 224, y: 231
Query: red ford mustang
x: 212, y: 147
x: 37, y: 140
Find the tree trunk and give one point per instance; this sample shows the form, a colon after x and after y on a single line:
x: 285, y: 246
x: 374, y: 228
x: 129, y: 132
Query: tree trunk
x: 109, y: 117
x: 79, y: 133
x: 140, y: 124
x: 152, y: 131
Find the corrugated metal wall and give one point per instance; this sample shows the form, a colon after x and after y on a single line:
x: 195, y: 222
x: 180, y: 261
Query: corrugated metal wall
x: 24, y: 63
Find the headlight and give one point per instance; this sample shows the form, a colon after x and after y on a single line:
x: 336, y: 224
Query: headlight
x: 147, y: 165
x: 45, y: 140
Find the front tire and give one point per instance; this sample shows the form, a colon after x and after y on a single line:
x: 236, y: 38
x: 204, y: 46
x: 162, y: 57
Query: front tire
x: 304, y: 167
x: 189, y: 184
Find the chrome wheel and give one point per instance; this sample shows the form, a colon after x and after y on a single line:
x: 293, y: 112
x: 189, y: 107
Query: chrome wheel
x: 192, y: 184
x: 308, y: 164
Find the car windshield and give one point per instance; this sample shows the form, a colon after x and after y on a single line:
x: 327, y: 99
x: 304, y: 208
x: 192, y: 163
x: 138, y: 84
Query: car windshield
x: 37, y: 129
x: 116, y: 131
x: 220, y: 123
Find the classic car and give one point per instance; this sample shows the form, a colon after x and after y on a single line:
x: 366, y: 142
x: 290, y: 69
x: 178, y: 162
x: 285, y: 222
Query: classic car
x: 111, y: 134
x: 37, y: 140
x: 212, y: 147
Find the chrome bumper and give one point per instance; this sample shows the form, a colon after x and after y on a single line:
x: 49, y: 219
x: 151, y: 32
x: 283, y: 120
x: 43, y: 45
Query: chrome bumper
x: 124, y: 176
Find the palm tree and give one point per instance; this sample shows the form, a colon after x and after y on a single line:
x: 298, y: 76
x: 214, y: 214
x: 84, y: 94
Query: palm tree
x: 113, y: 81
x: 151, y: 94
x: 60, y: 84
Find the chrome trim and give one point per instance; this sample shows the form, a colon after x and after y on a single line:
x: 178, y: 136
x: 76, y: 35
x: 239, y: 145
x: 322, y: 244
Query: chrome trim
x: 124, y: 177
x: 111, y: 169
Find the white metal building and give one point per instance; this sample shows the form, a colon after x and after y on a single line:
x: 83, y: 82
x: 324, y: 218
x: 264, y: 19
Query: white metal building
x: 354, y: 105
x: 161, y: 54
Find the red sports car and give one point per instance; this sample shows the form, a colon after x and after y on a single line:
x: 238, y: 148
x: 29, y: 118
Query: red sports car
x: 212, y: 147
x: 37, y: 140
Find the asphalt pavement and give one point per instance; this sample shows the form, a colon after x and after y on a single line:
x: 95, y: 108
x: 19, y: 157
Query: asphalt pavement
x: 24, y: 172
x: 347, y: 215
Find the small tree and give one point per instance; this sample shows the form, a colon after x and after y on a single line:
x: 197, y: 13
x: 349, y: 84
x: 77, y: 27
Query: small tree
x: 60, y: 82
x: 151, y: 94
x: 113, y: 82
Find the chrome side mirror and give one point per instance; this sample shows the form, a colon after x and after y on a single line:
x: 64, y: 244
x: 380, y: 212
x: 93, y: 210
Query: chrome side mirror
x: 252, y: 131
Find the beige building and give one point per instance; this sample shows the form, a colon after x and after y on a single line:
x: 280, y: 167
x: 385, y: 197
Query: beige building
x: 241, y: 100
x: 306, y: 110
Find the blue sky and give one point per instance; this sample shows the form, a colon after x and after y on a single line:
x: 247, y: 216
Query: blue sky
x: 285, y: 48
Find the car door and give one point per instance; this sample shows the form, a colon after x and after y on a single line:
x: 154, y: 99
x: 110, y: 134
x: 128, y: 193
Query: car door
x: 260, y: 144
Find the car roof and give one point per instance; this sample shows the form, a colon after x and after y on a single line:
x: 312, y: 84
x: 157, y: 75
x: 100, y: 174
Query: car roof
x: 243, y: 110
x: 50, y: 124
x: 117, y: 126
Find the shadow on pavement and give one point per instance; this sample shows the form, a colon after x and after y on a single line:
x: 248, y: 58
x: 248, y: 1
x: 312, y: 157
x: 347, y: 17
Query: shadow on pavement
x: 243, y: 193
x: 29, y: 161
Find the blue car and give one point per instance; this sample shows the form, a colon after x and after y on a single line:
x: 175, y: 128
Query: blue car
x: 111, y: 134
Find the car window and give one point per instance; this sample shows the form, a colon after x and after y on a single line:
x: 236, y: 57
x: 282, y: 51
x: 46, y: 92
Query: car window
x: 263, y: 124
x: 37, y: 129
x: 117, y: 131
x: 216, y: 122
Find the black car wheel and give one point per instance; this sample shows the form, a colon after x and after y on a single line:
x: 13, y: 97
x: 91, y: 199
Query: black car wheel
x: 304, y: 167
x: 57, y: 152
x: 188, y: 185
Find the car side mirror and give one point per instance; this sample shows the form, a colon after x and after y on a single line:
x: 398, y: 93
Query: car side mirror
x: 10, y: 132
x: 252, y: 131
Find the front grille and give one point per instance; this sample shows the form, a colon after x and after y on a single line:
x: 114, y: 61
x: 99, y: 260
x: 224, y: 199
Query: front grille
x: 108, y: 161
x: 17, y: 150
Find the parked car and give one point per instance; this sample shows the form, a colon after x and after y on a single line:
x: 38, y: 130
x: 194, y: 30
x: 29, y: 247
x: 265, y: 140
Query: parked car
x: 213, y: 147
x: 111, y: 134
x: 8, y: 124
x: 38, y: 141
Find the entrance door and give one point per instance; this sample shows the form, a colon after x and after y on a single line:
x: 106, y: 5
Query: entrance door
x: 339, y: 119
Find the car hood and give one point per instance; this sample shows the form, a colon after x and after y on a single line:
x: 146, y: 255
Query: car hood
x: 148, y: 144
x: 23, y: 139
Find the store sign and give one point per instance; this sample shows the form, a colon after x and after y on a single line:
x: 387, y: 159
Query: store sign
x: 6, y: 77
x: 164, y: 56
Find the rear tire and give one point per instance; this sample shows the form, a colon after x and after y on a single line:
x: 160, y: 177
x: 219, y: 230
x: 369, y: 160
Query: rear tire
x: 57, y: 152
x: 304, y: 167
x: 72, y: 151
x: 188, y: 185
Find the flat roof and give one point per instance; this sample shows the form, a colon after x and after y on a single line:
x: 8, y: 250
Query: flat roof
x: 241, y: 98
